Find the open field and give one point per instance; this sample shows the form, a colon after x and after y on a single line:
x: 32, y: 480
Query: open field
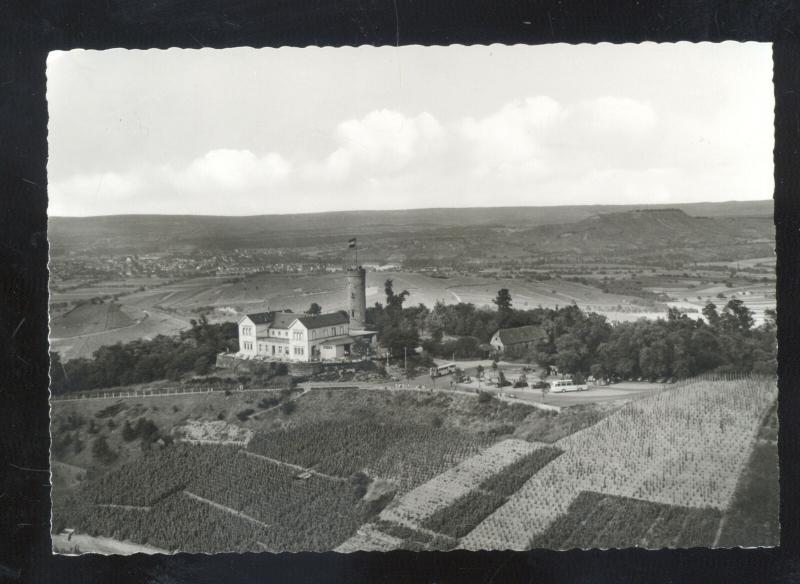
x: 91, y: 318
x: 152, y: 323
x: 167, y: 307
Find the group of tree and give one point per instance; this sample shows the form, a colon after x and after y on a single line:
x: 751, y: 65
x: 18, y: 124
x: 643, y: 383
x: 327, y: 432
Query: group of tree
x: 141, y: 361
x: 398, y: 326
x: 582, y: 343
x: 676, y: 346
x: 573, y: 341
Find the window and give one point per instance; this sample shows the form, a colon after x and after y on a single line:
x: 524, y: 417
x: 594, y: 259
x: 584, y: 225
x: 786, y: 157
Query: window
x: 298, y: 351
x: 297, y: 335
x: 248, y: 346
x: 247, y: 331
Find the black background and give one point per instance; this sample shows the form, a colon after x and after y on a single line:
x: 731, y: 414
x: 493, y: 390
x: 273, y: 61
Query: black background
x: 29, y: 29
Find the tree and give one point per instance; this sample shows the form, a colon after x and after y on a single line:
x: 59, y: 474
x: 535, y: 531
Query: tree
x: 359, y: 347
x: 771, y: 318
x: 314, y: 309
x: 503, y: 302
x: 102, y: 451
x: 57, y: 379
x: 711, y: 314
x: 501, y: 379
x: 736, y: 317
x: 394, y: 301
x: 503, y: 299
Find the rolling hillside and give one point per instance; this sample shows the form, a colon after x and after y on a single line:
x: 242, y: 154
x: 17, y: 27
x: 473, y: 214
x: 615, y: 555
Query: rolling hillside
x: 143, y: 233
x: 650, y: 232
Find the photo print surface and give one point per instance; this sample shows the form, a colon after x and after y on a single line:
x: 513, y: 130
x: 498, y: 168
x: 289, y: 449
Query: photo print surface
x: 423, y: 298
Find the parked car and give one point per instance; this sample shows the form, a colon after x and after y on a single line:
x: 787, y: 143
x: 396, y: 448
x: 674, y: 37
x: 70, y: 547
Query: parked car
x: 563, y: 385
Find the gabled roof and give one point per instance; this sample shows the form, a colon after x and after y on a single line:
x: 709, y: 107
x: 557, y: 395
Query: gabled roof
x: 281, y: 320
x: 323, y: 320
x: 260, y: 317
x: 521, y: 334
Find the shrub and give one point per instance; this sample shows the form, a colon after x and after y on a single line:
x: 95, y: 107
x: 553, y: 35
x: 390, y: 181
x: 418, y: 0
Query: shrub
x: 269, y: 402
x: 245, y: 414
x: 288, y: 407
x: 102, y: 451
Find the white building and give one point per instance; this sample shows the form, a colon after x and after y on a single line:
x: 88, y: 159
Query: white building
x: 284, y: 336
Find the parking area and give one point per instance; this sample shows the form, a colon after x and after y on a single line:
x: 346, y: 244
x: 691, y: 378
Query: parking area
x: 624, y: 391
x: 596, y: 393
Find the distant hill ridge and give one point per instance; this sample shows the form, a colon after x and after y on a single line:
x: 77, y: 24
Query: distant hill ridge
x: 639, y: 230
x: 132, y: 232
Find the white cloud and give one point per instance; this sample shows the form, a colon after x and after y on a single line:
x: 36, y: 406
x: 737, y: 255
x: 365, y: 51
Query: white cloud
x: 383, y: 142
x: 231, y: 170
x: 510, y: 141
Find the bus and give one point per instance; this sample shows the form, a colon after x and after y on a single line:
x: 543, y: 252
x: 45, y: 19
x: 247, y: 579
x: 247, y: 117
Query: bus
x: 562, y: 385
x: 441, y: 370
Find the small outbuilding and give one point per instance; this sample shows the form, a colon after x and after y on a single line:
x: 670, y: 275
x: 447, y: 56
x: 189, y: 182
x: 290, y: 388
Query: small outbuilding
x: 521, y: 336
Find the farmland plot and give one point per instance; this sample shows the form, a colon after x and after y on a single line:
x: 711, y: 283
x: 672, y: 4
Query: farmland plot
x: 419, y: 504
x: 213, y: 499
x: 437, y: 513
x: 407, y: 454
x: 314, y: 514
x: 92, y: 318
x: 684, y: 446
x: 607, y: 521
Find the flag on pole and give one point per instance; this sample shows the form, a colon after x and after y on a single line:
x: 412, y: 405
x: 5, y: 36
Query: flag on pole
x: 352, y: 243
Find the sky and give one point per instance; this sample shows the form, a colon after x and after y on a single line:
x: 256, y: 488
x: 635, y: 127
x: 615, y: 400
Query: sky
x: 295, y: 130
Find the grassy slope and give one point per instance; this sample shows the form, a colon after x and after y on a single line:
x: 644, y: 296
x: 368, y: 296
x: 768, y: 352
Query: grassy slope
x: 753, y: 517
x: 608, y: 521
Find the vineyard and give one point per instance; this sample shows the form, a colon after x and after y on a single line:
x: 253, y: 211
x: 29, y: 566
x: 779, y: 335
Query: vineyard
x: 683, y: 447
x: 313, y: 514
x: 438, y: 512
x: 607, y: 521
x: 407, y: 454
x: 439, y: 493
x: 154, y: 476
x: 694, y: 464
x: 156, y: 501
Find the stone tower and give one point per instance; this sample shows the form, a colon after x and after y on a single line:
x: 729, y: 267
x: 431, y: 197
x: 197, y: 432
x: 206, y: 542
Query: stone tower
x: 357, y: 294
